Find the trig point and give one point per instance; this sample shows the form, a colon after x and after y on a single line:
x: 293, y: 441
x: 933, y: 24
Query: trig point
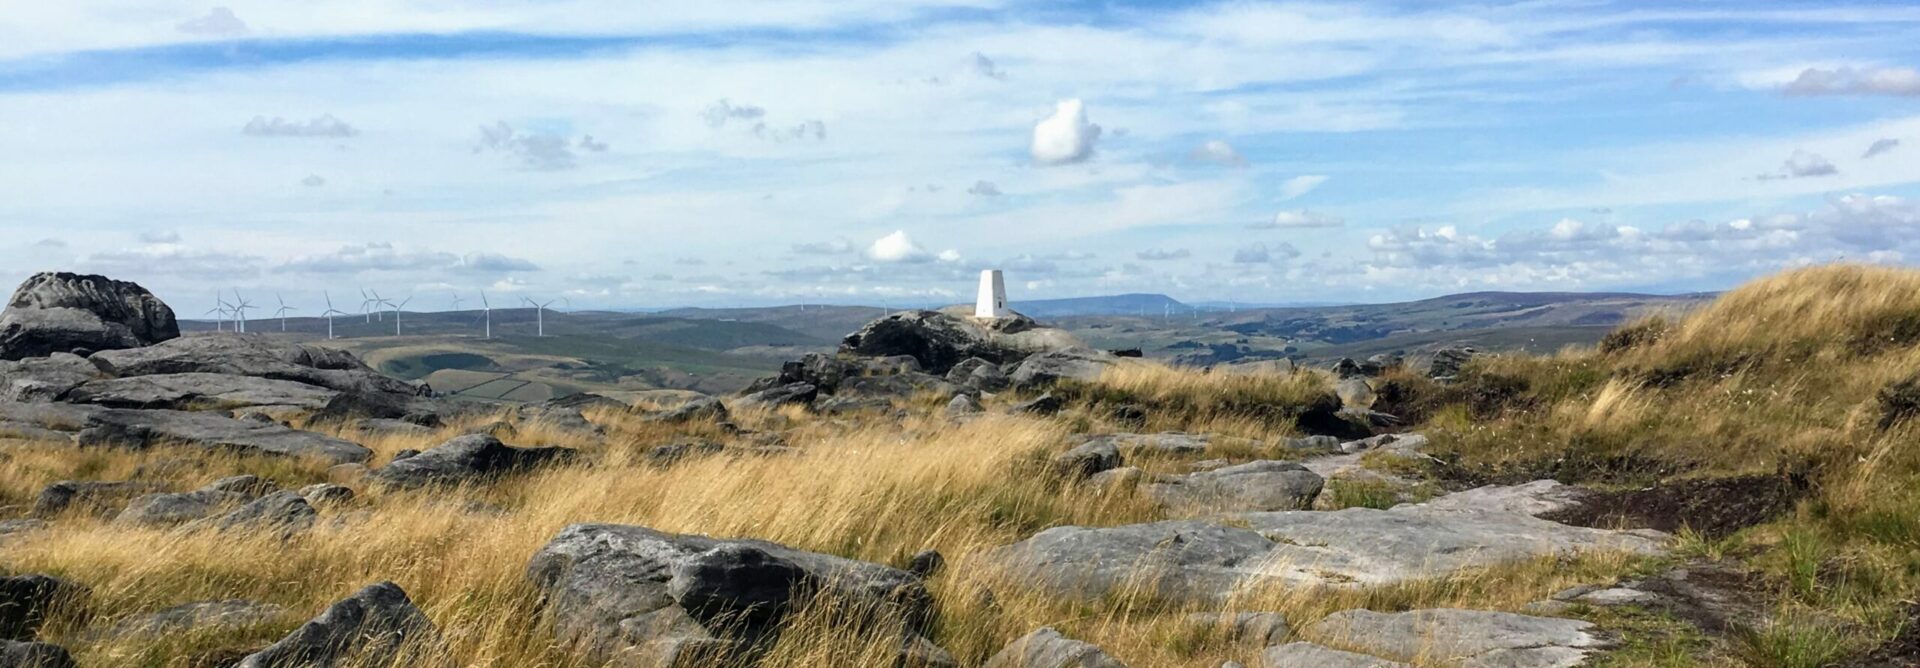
x: 993, y: 296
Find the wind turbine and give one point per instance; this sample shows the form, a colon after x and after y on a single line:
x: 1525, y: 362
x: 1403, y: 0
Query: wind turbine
x: 396, y: 313
x: 240, y: 312
x: 379, y: 301
x: 366, y: 305
x: 456, y: 302
x: 330, y: 312
x: 220, y: 309
x: 539, y: 317
x: 488, y: 309
x: 282, y: 311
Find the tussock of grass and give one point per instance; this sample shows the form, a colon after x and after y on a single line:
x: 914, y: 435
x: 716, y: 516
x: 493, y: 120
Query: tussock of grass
x: 1183, y: 399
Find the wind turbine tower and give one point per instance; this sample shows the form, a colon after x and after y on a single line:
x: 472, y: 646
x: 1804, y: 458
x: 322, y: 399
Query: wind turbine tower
x: 487, y: 308
x: 220, y: 309
x: 240, y: 312
x: 396, y: 314
x: 539, y: 315
x: 331, y: 311
x: 282, y: 311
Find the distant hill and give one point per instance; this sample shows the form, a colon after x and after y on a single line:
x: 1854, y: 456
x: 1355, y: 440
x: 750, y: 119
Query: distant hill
x: 1128, y: 304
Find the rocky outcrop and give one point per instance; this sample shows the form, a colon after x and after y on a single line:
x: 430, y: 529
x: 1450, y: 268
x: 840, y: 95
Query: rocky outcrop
x: 43, y: 379
x: 378, y: 625
x: 1253, y: 486
x: 555, y: 418
x: 285, y: 513
x: 1044, y: 369
x: 1086, y: 459
x: 364, y: 391
x: 1046, y: 648
x: 469, y: 458
x: 1468, y: 638
x: 938, y: 340
x: 144, y: 428
x: 653, y: 597
x: 1208, y: 560
x: 200, y: 391
x: 695, y: 410
x: 798, y: 394
x: 59, y: 312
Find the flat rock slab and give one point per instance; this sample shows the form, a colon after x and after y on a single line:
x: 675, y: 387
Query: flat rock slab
x: 1537, y: 498
x: 1309, y: 655
x: 1170, y: 443
x: 126, y: 427
x: 1209, y: 560
x: 1253, y: 486
x: 636, y: 593
x: 198, y: 390
x: 143, y: 428
x: 44, y: 378
x: 1466, y: 638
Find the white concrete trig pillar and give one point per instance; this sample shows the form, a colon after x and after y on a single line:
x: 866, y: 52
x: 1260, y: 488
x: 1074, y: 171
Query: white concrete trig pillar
x: 993, y: 296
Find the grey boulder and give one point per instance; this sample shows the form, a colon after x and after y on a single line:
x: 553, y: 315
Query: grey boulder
x: 470, y: 458
x: 1086, y: 459
x: 27, y: 600
x: 44, y: 379
x: 1046, y: 648
x: 656, y: 597
x: 1047, y: 368
x: 698, y: 409
x: 1254, y: 486
x: 143, y: 428
x: 57, y: 312
x: 801, y: 394
x: 377, y: 625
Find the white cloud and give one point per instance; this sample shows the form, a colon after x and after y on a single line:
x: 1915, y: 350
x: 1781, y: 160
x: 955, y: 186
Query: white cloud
x: 219, y: 22
x: 324, y: 125
x: 897, y: 247
x: 1300, y: 185
x: 537, y: 151
x: 1218, y: 152
x: 1066, y: 136
x: 1803, y: 164
x: 1880, y: 146
x: 1299, y: 219
x: 1903, y: 81
x: 724, y: 111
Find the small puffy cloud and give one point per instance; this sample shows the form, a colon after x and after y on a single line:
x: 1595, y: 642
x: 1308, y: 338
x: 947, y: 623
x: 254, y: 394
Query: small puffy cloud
x: 1880, y: 146
x: 1299, y: 219
x: 1903, y: 81
x: 1219, y: 153
x: 984, y: 189
x: 1254, y: 254
x: 589, y: 144
x: 1066, y: 136
x: 897, y: 247
x: 835, y: 247
x: 1802, y: 164
x: 983, y: 66
x: 324, y: 125
x: 949, y: 256
x: 1416, y: 248
x: 1300, y: 185
x: 313, y: 181
x: 219, y: 22
x: 1162, y: 255
x: 538, y: 151
x: 723, y: 111
x: 160, y: 237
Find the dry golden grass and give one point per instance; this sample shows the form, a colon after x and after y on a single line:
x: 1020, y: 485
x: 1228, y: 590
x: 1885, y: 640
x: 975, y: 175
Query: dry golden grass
x: 1809, y: 352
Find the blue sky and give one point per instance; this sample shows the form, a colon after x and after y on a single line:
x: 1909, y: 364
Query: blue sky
x: 866, y: 151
